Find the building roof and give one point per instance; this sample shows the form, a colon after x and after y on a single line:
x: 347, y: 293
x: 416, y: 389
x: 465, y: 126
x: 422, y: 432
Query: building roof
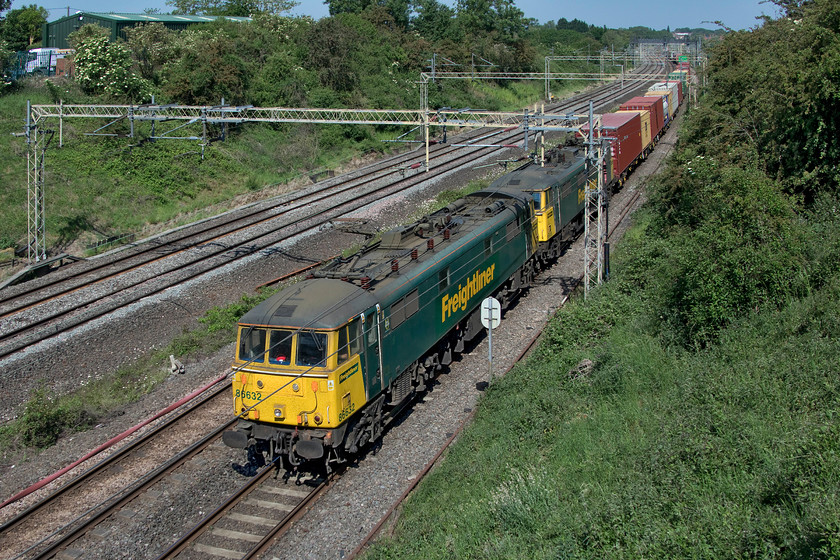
x: 162, y: 18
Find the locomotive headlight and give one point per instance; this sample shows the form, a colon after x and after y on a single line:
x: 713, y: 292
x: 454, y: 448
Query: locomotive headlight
x: 279, y: 412
x: 260, y: 383
x: 295, y: 387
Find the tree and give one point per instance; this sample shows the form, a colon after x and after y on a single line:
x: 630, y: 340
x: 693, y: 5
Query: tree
x: 432, y: 19
x: 348, y: 6
x: 501, y: 17
x: 7, y: 57
x: 333, y: 45
x: 399, y: 10
x: 152, y: 45
x: 103, y: 67
x: 776, y: 94
x: 22, y: 27
x: 243, y: 8
x: 794, y: 9
x: 210, y: 67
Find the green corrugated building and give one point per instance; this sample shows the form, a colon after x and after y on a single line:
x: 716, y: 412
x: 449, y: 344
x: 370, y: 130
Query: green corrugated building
x: 55, y: 32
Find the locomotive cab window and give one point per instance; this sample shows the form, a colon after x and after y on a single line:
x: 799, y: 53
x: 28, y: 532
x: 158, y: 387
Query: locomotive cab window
x: 280, y: 347
x: 311, y: 349
x: 354, y: 330
x: 252, y: 344
x: 343, y: 346
x: 372, y: 334
x: 539, y: 199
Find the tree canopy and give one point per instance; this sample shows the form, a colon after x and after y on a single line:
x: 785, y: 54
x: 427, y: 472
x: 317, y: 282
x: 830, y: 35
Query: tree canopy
x: 242, y: 8
x: 22, y: 26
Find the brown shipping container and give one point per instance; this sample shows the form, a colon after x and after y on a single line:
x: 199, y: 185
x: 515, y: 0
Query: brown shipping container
x: 625, y: 133
x: 652, y: 104
x: 647, y: 138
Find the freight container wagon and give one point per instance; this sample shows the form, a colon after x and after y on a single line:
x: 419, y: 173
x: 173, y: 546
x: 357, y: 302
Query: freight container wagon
x: 647, y: 136
x: 624, y: 131
x: 657, y: 112
x: 667, y: 102
x: 675, y: 89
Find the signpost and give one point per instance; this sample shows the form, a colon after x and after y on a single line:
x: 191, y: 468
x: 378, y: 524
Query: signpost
x: 491, y: 316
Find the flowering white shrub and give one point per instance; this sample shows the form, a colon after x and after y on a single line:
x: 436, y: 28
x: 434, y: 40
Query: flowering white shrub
x: 105, y: 67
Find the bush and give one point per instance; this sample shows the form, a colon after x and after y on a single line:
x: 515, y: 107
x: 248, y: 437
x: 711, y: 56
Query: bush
x: 44, y: 419
x: 103, y: 67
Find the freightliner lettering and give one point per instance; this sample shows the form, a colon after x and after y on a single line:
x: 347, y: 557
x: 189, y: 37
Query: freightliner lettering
x: 461, y: 298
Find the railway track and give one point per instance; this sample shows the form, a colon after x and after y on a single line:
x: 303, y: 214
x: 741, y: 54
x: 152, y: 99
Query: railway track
x: 54, y: 522
x: 48, y: 308
x: 246, y: 524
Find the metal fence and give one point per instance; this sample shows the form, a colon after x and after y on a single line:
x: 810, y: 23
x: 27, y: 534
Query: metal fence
x: 37, y: 62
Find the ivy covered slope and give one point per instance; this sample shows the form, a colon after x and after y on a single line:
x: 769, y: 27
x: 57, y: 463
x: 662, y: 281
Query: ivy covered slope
x: 709, y: 423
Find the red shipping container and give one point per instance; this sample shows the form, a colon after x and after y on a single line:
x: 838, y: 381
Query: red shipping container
x: 625, y: 133
x: 652, y: 104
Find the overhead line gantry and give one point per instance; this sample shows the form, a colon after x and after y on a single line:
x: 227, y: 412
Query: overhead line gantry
x: 181, y: 116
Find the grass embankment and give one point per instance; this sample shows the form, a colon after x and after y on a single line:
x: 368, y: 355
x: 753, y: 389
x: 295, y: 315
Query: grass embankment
x: 47, y: 416
x: 102, y: 187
